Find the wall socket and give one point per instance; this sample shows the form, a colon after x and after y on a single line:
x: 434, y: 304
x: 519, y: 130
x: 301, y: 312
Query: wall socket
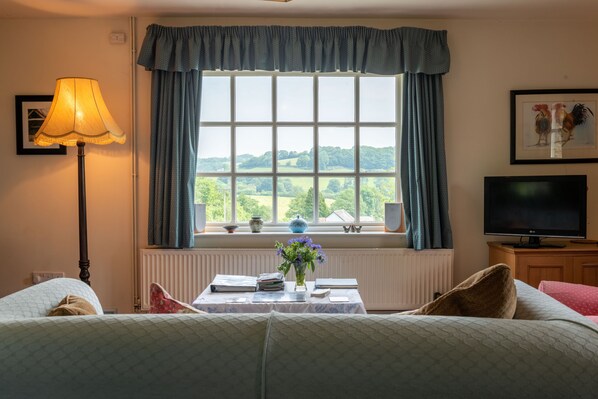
x: 40, y: 277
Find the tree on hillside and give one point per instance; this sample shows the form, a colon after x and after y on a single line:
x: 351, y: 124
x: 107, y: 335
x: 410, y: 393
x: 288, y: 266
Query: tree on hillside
x: 305, y: 161
x: 334, y: 186
x: 345, y: 200
x: 248, y: 207
x: 304, y: 205
x: 216, y: 197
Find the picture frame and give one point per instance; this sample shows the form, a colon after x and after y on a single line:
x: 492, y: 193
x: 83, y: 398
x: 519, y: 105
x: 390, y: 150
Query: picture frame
x: 29, y: 116
x: 554, y: 126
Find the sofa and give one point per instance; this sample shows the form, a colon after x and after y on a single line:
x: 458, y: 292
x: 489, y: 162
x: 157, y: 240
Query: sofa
x: 546, y: 351
x: 579, y: 297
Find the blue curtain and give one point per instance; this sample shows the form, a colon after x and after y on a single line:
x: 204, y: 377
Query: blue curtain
x: 301, y: 49
x: 175, y: 108
x: 187, y: 51
x: 423, y: 163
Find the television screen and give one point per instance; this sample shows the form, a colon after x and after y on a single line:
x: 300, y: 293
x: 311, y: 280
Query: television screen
x: 535, y: 206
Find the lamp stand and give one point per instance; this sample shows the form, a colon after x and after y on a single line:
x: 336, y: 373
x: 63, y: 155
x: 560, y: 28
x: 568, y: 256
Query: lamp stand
x: 83, y: 259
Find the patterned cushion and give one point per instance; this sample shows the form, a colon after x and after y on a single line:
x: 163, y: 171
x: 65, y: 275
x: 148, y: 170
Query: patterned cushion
x: 488, y: 293
x: 73, y: 305
x: 162, y: 302
x: 581, y: 298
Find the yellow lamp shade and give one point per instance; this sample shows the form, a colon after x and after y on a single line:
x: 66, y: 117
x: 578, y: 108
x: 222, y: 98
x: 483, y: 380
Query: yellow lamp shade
x: 78, y: 114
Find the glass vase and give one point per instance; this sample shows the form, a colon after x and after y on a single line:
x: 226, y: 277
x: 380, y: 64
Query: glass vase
x: 300, y: 277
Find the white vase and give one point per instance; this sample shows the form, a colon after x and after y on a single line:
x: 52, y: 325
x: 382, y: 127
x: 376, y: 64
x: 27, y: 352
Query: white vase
x: 200, y: 218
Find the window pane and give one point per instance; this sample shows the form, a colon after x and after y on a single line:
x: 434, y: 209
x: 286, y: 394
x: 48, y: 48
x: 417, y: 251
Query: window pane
x: 337, y: 149
x: 295, y: 99
x: 214, y: 149
x: 253, y: 99
x: 295, y: 197
x: 254, y: 198
x: 338, y: 197
x: 377, y: 149
x: 254, y: 149
x: 295, y: 149
x: 336, y: 99
x: 374, y: 192
x: 377, y: 101
x: 215, y: 193
x: 215, y: 99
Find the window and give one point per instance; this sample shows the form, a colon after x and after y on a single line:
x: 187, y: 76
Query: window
x: 323, y: 146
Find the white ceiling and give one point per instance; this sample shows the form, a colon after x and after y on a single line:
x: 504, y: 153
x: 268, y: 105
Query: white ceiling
x: 451, y: 9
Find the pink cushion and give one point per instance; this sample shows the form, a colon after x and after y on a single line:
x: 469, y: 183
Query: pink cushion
x: 581, y: 298
x: 593, y: 318
x: 162, y: 302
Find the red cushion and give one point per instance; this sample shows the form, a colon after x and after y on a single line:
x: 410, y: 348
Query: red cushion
x: 162, y: 302
x: 581, y: 298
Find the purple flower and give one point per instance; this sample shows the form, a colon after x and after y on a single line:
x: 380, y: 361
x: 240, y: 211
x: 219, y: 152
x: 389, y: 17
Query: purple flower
x: 299, y: 252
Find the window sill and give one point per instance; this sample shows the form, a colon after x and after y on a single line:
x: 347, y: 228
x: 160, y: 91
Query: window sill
x: 243, y: 239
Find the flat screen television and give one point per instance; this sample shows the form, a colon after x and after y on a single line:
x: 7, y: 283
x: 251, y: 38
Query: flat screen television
x: 535, y: 207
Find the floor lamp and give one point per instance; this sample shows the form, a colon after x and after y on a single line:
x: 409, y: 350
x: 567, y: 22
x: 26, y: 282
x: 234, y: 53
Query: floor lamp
x: 78, y: 115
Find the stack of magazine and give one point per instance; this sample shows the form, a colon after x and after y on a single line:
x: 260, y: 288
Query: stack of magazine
x: 270, y: 281
x: 231, y: 283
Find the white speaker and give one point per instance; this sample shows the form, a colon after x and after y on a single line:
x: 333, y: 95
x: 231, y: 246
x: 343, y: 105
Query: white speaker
x: 200, y: 218
x: 393, y: 217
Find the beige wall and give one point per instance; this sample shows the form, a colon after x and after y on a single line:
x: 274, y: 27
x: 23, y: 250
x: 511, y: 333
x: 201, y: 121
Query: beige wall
x: 489, y: 58
x: 38, y: 193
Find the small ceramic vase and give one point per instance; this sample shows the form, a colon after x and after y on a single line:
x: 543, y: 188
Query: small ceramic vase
x: 256, y: 223
x: 298, y: 225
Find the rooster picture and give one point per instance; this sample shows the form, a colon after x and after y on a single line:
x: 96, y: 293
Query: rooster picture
x: 568, y: 120
x: 543, y: 123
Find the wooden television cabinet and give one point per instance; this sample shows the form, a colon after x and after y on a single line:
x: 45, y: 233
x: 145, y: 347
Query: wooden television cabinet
x: 575, y: 263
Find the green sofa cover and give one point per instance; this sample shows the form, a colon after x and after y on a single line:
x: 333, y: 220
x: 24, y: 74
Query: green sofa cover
x: 547, y: 351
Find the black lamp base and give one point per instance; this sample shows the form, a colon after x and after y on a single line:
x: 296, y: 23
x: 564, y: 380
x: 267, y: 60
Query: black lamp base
x: 83, y: 258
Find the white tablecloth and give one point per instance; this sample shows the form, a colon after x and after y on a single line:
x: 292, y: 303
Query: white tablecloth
x: 224, y: 302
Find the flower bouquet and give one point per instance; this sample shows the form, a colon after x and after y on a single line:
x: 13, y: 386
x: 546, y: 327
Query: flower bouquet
x: 301, y: 253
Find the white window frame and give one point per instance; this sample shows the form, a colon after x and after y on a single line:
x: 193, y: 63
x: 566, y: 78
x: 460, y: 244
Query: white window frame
x: 275, y: 225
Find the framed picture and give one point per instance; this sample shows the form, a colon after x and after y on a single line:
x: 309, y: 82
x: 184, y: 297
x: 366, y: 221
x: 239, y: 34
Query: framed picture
x: 554, y: 126
x: 30, y: 114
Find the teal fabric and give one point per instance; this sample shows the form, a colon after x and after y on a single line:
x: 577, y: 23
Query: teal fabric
x: 289, y: 48
x: 546, y: 351
x: 382, y: 356
x: 133, y: 356
x: 176, y: 98
x: 423, y: 163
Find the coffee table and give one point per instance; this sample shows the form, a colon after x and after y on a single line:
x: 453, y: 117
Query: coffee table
x: 230, y: 302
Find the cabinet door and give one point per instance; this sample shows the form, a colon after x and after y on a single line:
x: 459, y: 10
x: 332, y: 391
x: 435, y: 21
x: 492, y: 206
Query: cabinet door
x: 585, y: 270
x: 533, y: 269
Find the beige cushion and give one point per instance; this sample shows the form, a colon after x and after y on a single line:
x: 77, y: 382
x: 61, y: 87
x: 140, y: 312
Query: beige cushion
x: 488, y: 293
x: 73, y: 305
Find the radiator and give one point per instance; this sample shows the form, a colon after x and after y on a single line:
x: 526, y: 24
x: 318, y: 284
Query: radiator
x: 389, y: 279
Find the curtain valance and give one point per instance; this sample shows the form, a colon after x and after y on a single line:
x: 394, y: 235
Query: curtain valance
x: 299, y: 49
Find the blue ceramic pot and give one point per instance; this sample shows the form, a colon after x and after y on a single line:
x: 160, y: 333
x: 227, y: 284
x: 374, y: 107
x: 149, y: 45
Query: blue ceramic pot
x: 298, y: 225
